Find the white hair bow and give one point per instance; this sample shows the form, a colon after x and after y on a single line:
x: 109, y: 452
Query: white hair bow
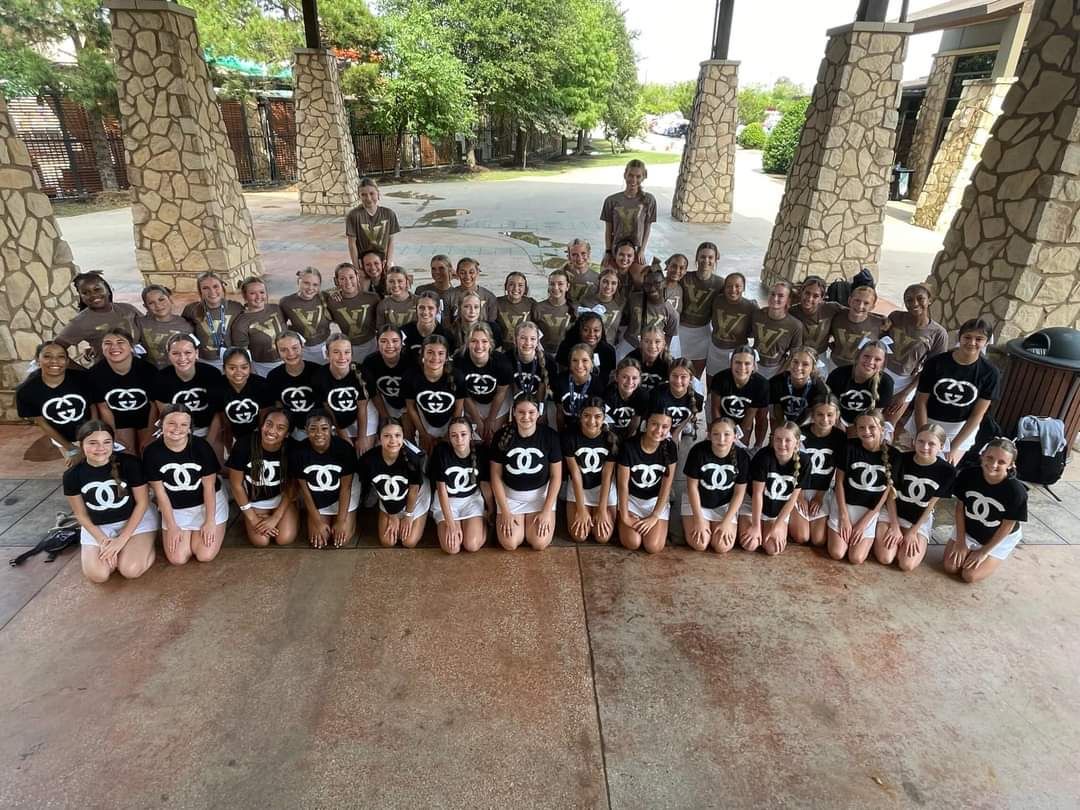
x: 599, y: 309
x: 885, y: 341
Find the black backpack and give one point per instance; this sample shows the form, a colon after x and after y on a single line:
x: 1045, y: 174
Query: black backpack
x: 1033, y: 464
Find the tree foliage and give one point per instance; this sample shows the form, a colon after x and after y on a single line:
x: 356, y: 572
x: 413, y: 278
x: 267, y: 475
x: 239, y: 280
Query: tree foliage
x: 752, y: 136
x: 660, y: 99
x: 779, y: 151
x: 755, y: 99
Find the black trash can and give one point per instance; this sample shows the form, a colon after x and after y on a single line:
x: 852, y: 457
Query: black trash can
x: 1042, y: 378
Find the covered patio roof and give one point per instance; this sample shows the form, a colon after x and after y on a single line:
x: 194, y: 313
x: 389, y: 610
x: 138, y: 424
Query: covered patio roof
x: 955, y: 13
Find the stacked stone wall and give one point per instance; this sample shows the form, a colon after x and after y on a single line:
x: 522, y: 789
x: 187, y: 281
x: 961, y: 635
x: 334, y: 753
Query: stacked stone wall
x: 923, y: 141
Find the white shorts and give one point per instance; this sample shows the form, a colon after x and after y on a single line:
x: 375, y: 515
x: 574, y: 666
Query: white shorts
x: 900, y: 381
x: 264, y: 369
x: 747, y: 509
x: 267, y: 505
x: 423, y: 501
x: 952, y: 429
x: 718, y: 359
x: 926, y: 530
x: 644, y: 507
x: 1003, y: 549
x: 373, y: 416
x: 711, y: 515
x: 854, y: 513
x: 315, y: 353
x: 360, y: 351
x: 525, y: 503
x: 695, y: 341
x: 592, y: 495
x: 460, y: 508
x: 354, y: 500
x: 192, y: 518
x: 485, y: 407
x: 808, y: 495
x: 150, y: 522
x: 436, y: 432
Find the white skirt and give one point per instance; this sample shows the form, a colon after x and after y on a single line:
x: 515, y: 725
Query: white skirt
x: 460, y: 508
x: 423, y: 502
x: 718, y: 359
x: 808, y: 495
x: 592, y: 495
x: 354, y: 500
x: 315, y: 353
x: 526, y: 503
x: 747, y: 509
x: 644, y: 507
x: 192, y: 518
x: 267, y: 505
x: 900, y: 381
x: 264, y: 369
x: 695, y: 341
x: 360, y: 351
x: 373, y: 417
x: 1002, y: 550
x: 711, y: 515
x: 854, y: 513
x: 150, y: 522
x: 436, y: 432
x: 926, y: 530
x: 952, y: 429
x: 485, y: 407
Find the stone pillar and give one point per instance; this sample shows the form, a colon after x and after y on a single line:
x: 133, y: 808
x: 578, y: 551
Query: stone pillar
x: 189, y: 210
x: 1012, y: 253
x: 968, y: 131
x: 329, y: 183
x: 928, y: 121
x: 705, y: 191
x: 830, y: 219
x: 36, y: 297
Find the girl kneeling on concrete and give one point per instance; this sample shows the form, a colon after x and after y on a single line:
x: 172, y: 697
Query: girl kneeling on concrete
x: 589, y: 453
x: 717, y: 472
x: 778, y: 474
x: 644, y: 476
x: 259, y: 479
x: 462, y: 503
x: 325, y: 469
x: 863, y: 483
x: 394, y: 470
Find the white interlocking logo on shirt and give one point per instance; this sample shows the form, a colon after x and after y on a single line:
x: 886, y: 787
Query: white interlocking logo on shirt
x: 678, y: 413
x: 435, y: 402
x: 270, y: 475
x: 735, y: 405
x: 459, y: 480
x: 520, y: 460
x: 647, y: 475
x: 779, y: 487
x: 105, y: 495
x: 855, y: 400
x: 194, y: 399
x: 327, y: 477
x: 64, y: 409
x: 721, y: 476
x: 980, y: 508
x: 480, y: 384
x: 343, y: 400
x: 391, y: 487
x: 242, y: 411
x: 621, y: 416
x: 126, y: 399
x: 868, y: 478
x: 184, y: 476
x: 820, y: 460
x: 919, y: 491
x: 298, y: 398
x: 590, y: 460
x: 957, y: 393
x: 389, y: 385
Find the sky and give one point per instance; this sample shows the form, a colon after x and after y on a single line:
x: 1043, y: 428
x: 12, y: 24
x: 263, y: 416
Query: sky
x: 771, y: 38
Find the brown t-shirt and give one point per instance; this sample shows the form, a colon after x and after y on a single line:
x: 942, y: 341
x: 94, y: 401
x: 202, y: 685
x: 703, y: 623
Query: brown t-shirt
x: 355, y: 316
x: 698, y: 296
x: 89, y: 325
x: 913, y: 345
x: 510, y: 315
x: 846, y: 336
x: 773, y: 339
x: 397, y: 313
x: 488, y: 302
x: 611, y: 315
x: 553, y: 320
x: 443, y: 295
x: 816, y: 327
x: 371, y: 230
x: 155, y: 334
x: 581, y: 285
x: 213, y: 335
x: 257, y: 332
x: 310, y: 318
x: 731, y: 321
x: 640, y: 318
x: 674, y: 296
x: 628, y: 216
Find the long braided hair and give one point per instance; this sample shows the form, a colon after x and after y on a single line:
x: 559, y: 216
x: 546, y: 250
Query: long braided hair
x: 875, y: 381
x: 879, y: 417
x: 797, y: 433
x: 510, y: 430
x: 256, y: 457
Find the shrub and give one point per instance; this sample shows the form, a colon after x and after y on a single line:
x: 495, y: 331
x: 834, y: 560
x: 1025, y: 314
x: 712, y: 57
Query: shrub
x: 752, y: 136
x: 780, y: 147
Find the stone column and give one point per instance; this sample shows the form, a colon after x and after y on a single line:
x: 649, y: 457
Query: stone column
x: 189, y: 210
x: 928, y: 121
x: 36, y: 269
x: 968, y: 131
x: 830, y: 219
x: 329, y: 183
x: 705, y: 191
x: 1012, y: 253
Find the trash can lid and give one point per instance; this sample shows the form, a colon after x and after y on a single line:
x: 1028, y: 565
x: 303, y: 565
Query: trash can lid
x: 1054, y: 346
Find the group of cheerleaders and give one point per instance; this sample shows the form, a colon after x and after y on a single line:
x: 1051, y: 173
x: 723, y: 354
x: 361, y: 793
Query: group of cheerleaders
x: 485, y: 410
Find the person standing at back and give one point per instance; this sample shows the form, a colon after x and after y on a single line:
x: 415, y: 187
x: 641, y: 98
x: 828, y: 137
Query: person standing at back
x: 628, y: 214
x: 371, y: 225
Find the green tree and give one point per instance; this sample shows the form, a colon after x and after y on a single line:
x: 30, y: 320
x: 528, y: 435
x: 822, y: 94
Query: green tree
x: 588, y: 63
x: 682, y: 96
x: 660, y: 99
x: 752, y: 102
x: 623, y: 116
x: 752, y: 136
x: 779, y: 151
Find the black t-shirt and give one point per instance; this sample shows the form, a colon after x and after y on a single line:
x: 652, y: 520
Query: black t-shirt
x: 413, y: 342
x: 241, y: 408
x: 620, y: 412
x: 323, y: 472
x: 105, y: 501
x: 795, y: 400
x: 434, y: 400
x: 181, y: 473
x: 391, y: 482
x: 127, y: 395
x: 735, y: 400
x: 864, y: 475
x: 462, y: 476
x: 267, y: 482
x: 603, y: 356
x: 202, y: 394
x: 652, y: 374
x: 678, y: 408
x: 342, y: 397
x: 824, y: 454
x: 382, y: 379
x: 916, y: 485
x: 65, y: 407
x: 527, y: 376
x: 297, y: 395
x: 526, y: 460
x: 647, y: 470
x: 572, y: 396
x: 479, y: 383
x: 716, y: 477
x: 779, y: 479
x: 590, y: 454
x: 954, y: 389
x: 855, y: 397
x: 986, y: 505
